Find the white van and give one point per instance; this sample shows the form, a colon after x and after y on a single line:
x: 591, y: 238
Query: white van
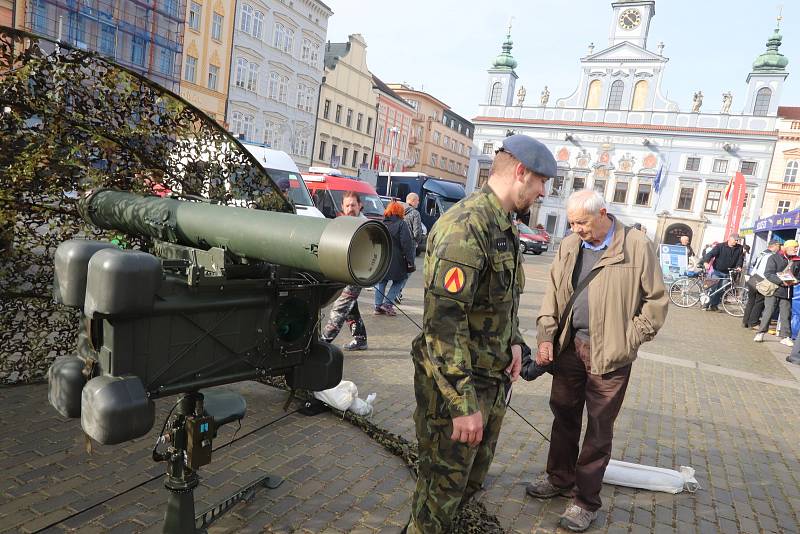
x: 280, y: 165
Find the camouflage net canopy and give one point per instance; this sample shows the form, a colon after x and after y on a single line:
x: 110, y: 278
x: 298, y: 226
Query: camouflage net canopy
x: 71, y: 121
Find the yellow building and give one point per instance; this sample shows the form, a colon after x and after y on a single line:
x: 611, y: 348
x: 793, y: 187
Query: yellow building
x: 347, y: 108
x: 440, y: 139
x: 208, y: 37
x: 783, y: 184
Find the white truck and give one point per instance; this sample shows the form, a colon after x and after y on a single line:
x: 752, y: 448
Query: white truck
x: 279, y: 164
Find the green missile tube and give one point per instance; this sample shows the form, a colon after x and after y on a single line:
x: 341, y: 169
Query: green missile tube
x: 346, y: 249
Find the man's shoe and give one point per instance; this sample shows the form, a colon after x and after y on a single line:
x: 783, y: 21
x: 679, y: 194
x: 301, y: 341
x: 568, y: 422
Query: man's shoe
x: 787, y: 341
x: 759, y: 337
x: 576, y: 518
x: 713, y: 308
x: 379, y: 310
x: 389, y: 310
x: 356, y: 344
x: 541, y: 488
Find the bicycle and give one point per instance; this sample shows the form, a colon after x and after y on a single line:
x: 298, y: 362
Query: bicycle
x: 687, y: 291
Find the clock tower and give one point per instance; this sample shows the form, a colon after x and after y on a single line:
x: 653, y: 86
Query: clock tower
x: 631, y: 21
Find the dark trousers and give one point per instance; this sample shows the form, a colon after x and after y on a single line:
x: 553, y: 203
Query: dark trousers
x: 573, y: 387
x: 785, y: 309
x: 754, y: 307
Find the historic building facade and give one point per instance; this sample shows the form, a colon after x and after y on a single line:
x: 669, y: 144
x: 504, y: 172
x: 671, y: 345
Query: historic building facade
x: 276, y: 73
x: 393, y: 130
x: 207, y: 54
x: 783, y: 186
x: 145, y: 36
x: 617, y: 133
x: 440, y: 139
x: 348, y: 109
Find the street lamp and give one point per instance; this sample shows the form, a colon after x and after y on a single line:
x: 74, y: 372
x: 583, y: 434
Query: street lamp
x: 393, y: 130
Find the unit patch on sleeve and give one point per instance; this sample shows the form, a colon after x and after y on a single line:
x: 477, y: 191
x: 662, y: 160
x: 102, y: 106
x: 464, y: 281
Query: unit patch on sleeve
x: 454, y: 280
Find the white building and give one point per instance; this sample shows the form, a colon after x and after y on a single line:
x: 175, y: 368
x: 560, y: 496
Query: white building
x: 276, y: 73
x: 617, y: 130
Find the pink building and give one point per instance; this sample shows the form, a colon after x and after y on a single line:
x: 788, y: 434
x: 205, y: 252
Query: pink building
x: 393, y: 130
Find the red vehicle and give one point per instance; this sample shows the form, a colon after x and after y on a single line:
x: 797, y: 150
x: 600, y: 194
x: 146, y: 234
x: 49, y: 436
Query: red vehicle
x: 533, y: 240
x: 327, y: 189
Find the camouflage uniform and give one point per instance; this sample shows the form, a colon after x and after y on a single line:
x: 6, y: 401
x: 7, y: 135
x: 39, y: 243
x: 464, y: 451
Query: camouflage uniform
x: 473, y: 279
x: 345, y: 308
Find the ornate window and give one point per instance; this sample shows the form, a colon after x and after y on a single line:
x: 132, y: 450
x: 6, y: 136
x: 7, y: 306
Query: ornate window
x: 241, y: 72
x: 620, y: 192
x: 615, y: 96
x: 258, y: 24
x: 280, y: 35
x: 216, y: 26
x: 643, y: 195
x: 790, y: 175
x: 496, y: 94
x: 190, y: 71
x: 640, y: 95
x: 685, y: 198
x: 761, y: 107
x: 713, y: 201
x: 246, y: 22
x: 252, y: 76
x: 274, y: 79
x: 593, y: 95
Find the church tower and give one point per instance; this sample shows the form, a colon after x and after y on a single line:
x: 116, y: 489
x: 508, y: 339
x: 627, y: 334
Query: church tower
x: 765, y: 81
x: 502, y: 78
x: 631, y: 21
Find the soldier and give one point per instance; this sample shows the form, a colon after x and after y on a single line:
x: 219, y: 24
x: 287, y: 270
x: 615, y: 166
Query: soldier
x: 345, y: 308
x: 469, y: 351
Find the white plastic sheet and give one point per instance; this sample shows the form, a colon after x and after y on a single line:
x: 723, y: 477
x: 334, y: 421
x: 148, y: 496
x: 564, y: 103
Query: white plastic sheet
x: 344, y: 396
x: 650, y: 478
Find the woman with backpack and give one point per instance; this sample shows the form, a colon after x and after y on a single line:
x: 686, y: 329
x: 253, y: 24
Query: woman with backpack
x: 402, y: 262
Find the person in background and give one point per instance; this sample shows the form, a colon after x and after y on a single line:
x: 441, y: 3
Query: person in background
x: 775, y: 265
x: 402, y: 263
x: 755, y: 300
x: 727, y: 256
x: 685, y: 242
x: 345, y: 308
x: 414, y: 221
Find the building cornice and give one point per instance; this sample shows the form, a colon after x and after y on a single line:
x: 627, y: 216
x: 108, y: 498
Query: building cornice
x: 772, y: 135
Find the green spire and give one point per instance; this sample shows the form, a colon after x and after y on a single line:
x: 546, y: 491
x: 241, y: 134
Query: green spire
x: 771, y: 60
x: 505, y: 60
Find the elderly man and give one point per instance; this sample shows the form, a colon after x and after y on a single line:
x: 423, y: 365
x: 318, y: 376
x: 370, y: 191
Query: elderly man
x: 727, y: 256
x: 470, y: 350
x: 412, y: 217
x: 755, y: 300
x: 776, y: 268
x: 604, y: 298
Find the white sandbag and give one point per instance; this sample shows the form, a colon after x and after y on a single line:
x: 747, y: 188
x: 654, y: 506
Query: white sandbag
x: 650, y: 478
x: 363, y: 407
x: 340, y: 397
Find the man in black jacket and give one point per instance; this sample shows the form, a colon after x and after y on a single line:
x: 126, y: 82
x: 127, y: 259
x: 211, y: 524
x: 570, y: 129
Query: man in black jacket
x: 728, y: 255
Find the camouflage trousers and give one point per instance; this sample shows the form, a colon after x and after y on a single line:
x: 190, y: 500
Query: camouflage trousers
x: 345, y: 308
x: 450, y: 472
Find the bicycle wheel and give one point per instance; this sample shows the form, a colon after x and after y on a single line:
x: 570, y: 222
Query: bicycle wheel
x: 685, y: 292
x: 734, y: 300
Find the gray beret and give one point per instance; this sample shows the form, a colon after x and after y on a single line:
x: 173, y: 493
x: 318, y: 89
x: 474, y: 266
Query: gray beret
x: 533, y: 154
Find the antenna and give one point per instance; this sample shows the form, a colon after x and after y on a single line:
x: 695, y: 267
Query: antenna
x: 780, y: 14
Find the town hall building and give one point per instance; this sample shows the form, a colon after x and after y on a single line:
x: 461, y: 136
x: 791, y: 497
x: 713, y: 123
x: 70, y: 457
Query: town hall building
x: 619, y: 134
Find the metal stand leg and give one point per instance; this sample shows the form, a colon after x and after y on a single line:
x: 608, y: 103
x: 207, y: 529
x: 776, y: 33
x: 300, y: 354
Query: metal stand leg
x: 181, y: 480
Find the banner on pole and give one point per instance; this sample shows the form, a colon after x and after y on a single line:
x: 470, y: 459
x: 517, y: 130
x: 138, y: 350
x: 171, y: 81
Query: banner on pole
x: 737, y: 192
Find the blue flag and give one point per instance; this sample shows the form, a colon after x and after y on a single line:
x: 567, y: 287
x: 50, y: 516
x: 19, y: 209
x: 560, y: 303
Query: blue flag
x: 657, y: 180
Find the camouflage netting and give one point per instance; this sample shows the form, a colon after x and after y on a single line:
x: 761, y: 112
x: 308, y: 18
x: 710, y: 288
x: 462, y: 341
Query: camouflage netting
x: 71, y: 121
x: 472, y: 518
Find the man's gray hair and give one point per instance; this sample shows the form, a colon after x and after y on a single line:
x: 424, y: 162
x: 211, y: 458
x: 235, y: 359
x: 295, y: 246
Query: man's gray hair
x: 587, y: 201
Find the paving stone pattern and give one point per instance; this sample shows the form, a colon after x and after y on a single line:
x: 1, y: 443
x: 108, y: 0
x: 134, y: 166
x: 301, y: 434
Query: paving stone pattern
x: 739, y: 433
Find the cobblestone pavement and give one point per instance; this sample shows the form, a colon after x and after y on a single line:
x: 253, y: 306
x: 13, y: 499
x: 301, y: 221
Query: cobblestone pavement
x: 702, y: 394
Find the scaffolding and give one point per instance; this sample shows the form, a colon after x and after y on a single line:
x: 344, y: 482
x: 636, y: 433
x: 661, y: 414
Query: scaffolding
x: 143, y: 35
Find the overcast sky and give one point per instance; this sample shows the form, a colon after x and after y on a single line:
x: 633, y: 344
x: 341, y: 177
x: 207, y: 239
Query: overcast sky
x: 445, y: 46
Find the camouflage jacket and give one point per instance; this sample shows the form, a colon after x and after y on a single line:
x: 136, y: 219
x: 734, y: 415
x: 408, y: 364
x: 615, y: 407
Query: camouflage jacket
x: 473, y: 279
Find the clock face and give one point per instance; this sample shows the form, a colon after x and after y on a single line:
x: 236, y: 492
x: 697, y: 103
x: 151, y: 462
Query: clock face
x: 629, y: 19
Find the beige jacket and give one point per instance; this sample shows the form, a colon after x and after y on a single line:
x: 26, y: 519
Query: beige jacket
x: 627, y: 300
